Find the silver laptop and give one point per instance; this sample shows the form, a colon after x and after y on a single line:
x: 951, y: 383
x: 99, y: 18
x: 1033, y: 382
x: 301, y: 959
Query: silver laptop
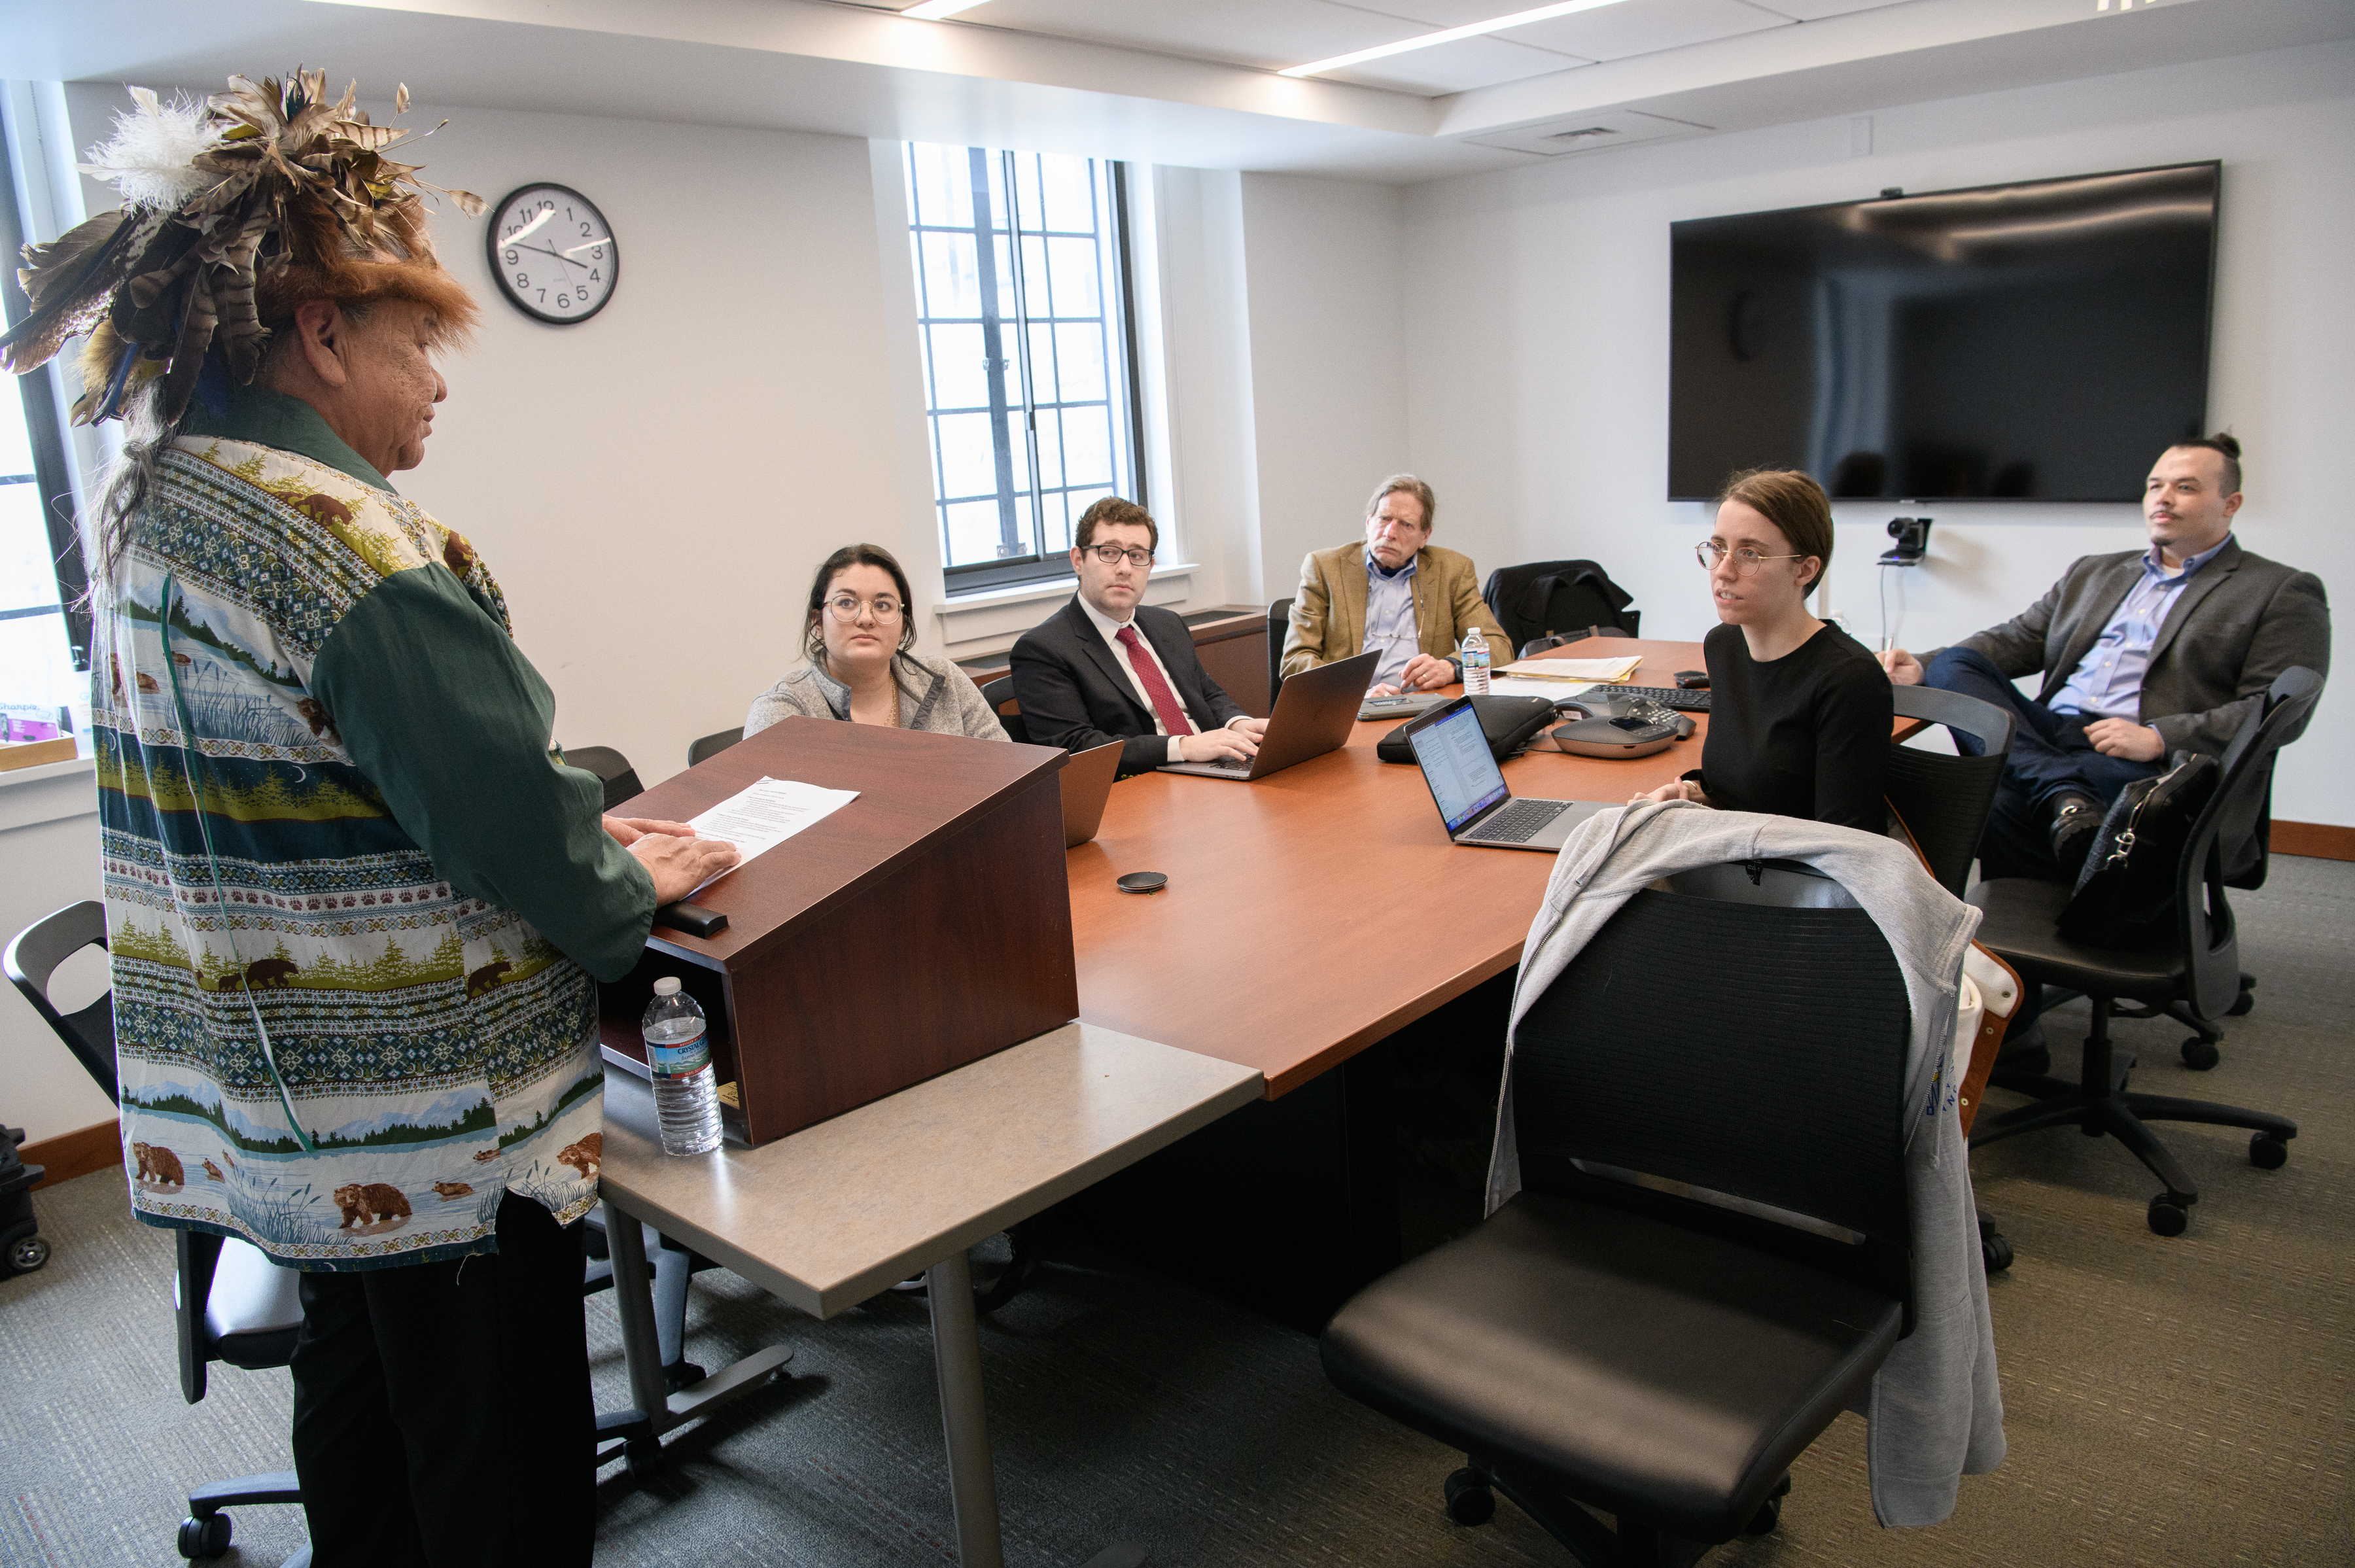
x: 1314, y: 714
x: 1469, y: 788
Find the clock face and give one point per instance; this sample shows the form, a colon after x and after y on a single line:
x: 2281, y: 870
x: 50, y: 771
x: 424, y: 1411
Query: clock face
x: 553, y: 253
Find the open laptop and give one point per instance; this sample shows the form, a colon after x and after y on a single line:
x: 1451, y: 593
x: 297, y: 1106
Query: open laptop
x: 1087, y: 779
x: 1469, y: 788
x: 1314, y: 714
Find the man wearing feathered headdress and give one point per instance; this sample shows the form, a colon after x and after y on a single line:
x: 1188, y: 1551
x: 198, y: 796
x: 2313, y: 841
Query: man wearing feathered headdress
x: 354, y: 902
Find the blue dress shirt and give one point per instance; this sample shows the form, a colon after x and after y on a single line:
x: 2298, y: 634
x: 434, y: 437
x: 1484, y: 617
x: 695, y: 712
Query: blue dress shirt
x: 1390, y: 618
x: 2107, y: 682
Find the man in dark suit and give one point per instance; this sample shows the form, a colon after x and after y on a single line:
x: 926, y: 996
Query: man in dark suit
x: 1106, y: 667
x: 2142, y: 654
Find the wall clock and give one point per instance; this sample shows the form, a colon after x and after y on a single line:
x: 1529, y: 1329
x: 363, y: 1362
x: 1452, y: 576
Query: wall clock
x: 553, y: 253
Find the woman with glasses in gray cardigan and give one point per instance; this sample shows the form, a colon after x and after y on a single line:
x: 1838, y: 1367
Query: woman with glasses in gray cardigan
x: 861, y: 666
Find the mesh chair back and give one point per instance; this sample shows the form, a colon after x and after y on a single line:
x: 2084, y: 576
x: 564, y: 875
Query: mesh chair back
x: 620, y: 779
x: 1770, y: 1071
x: 34, y: 957
x: 999, y: 695
x: 1944, y: 800
x: 1542, y: 596
x: 1279, y: 622
x: 712, y: 745
x: 2208, y: 930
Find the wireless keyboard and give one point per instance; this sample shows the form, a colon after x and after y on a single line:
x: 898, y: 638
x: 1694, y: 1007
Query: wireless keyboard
x: 1674, y: 697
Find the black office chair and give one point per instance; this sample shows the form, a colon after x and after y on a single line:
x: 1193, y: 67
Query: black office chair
x: 1651, y: 1345
x: 1279, y: 622
x: 229, y: 1302
x: 1545, y: 598
x: 1943, y: 800
x: 1537, y: 645
x: 711, y: 745
x: 620, y: 779
x: 2191, y: 974
x: 999, y: 695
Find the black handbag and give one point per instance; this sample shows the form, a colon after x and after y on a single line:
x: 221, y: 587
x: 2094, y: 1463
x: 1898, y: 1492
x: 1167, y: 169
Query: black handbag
x: 1507, y: 722
x: 2126, y: 894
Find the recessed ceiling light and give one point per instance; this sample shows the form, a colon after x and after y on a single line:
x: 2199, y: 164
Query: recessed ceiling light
x: 1429, y: 40
x: 933, y: 10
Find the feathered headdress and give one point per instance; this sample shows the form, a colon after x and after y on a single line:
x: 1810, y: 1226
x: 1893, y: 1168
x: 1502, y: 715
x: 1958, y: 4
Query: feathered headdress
x: 235, y: 211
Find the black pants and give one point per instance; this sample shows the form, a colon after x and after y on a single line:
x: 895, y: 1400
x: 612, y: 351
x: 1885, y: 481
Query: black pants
x: 2049, y: 757
x: 442, y: 1411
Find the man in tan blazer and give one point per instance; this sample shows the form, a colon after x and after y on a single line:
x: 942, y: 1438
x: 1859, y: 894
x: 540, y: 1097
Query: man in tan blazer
x: 1396, y: 594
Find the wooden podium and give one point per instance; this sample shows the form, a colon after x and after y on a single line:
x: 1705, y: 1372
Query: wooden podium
x: 924, y: 925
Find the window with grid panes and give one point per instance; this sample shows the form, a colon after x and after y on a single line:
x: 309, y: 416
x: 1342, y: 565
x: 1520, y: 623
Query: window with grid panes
x: 1022, y: 304
x: 44, y: 626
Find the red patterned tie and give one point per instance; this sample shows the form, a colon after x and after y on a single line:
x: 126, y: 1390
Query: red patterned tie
x: 1165, y: 701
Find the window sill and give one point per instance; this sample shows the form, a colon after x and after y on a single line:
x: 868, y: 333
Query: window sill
x: 52, y: 791
x: 990, y: 620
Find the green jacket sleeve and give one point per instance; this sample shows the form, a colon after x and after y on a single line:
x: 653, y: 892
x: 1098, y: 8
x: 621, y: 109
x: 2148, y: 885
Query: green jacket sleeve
x: 444, y: 715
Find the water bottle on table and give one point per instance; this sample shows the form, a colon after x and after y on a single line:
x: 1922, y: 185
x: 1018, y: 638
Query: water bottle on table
x: 1475, y: 655
x: 679, y: 1054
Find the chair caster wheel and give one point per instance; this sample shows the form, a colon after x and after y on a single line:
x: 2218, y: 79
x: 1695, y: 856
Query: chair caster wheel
x: 1469, y: 1501
x: 2169, y: 1218
x: 29, y: 1254
x: 2199, y: 1055
x: 1994, y: 1252
x: 202, y: 1539
x: 2268, y: 1152
x: 1770, y: 1513
x: 643, y: 1457
x: 2242, y: 1005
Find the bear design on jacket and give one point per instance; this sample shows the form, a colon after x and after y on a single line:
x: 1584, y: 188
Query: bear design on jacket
x: 480, y: 982
x: 324, y: 509
x: 159, y: 1164
x: 453, y: 1188
x: 370, y: 1204
x: 262, y: 975
x: 486, y: 1156
x: 147, y: 682
x: 314, y: 713
x: 458, y: 556
x: 213, y: 1170
x: 587, y: 1157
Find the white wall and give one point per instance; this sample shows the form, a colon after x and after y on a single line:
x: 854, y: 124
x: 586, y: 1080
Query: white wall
x: 1328, y: 363
x: 48, y: 841
x: 1538, y: 328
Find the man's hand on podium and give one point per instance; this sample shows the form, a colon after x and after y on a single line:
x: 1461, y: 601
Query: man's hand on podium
x: 679, y: 861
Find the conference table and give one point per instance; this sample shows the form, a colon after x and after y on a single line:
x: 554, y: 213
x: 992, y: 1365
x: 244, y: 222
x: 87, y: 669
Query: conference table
x: 1322, y: 909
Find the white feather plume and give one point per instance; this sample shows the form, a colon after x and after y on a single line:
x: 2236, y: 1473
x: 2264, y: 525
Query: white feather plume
x: 149, y: 157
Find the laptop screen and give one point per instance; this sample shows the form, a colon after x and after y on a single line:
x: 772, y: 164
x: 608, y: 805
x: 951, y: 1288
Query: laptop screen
x: 1458, y: 766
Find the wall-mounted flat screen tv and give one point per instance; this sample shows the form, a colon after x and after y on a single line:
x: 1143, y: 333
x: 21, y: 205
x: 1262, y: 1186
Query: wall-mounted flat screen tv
x: 2042, y: 341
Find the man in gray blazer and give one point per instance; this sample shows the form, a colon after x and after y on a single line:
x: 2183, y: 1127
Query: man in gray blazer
x: 2142, y: 654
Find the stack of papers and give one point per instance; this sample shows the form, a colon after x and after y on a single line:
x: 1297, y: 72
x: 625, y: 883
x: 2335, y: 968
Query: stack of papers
x: 1581, y: 672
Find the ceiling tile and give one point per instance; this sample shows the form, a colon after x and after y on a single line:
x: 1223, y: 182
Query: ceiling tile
x: 1645, y: 26
x: 1268, y: 33
x: 1815, y: 10
x: 1457, y: 66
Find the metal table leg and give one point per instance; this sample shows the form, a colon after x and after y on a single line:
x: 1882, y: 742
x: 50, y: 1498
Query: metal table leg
x: 956, y: 1356
x: 633, y: 1302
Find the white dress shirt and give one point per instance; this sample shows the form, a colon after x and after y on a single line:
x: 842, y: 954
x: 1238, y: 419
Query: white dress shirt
x: 1109, y: 629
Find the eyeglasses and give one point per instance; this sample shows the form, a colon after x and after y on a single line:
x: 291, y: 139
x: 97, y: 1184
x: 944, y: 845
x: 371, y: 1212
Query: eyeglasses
x: 1708, y: 552
x: 1110, y: 554
x: 845, y: 607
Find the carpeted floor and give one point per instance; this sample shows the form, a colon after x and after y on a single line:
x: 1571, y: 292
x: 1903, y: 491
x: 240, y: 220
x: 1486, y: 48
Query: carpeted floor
x: 2183, y: 1402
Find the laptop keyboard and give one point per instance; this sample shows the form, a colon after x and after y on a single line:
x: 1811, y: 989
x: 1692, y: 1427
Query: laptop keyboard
x: 1520, y: 821
x: 1674, y: 697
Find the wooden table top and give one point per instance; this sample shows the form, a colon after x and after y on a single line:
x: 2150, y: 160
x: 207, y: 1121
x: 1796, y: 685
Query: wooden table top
x: 1310, y: 915
x: 832, y: 1214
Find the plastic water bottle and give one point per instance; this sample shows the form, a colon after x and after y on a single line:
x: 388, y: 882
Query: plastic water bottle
x: 1474, y: 653
x: 678, y: 1052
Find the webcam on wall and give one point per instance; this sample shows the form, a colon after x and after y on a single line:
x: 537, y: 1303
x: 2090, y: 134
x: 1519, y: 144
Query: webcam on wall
x: 1912, y: 537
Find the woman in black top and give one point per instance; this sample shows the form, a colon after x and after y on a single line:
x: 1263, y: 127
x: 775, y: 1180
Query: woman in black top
x: 1800, y: 714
